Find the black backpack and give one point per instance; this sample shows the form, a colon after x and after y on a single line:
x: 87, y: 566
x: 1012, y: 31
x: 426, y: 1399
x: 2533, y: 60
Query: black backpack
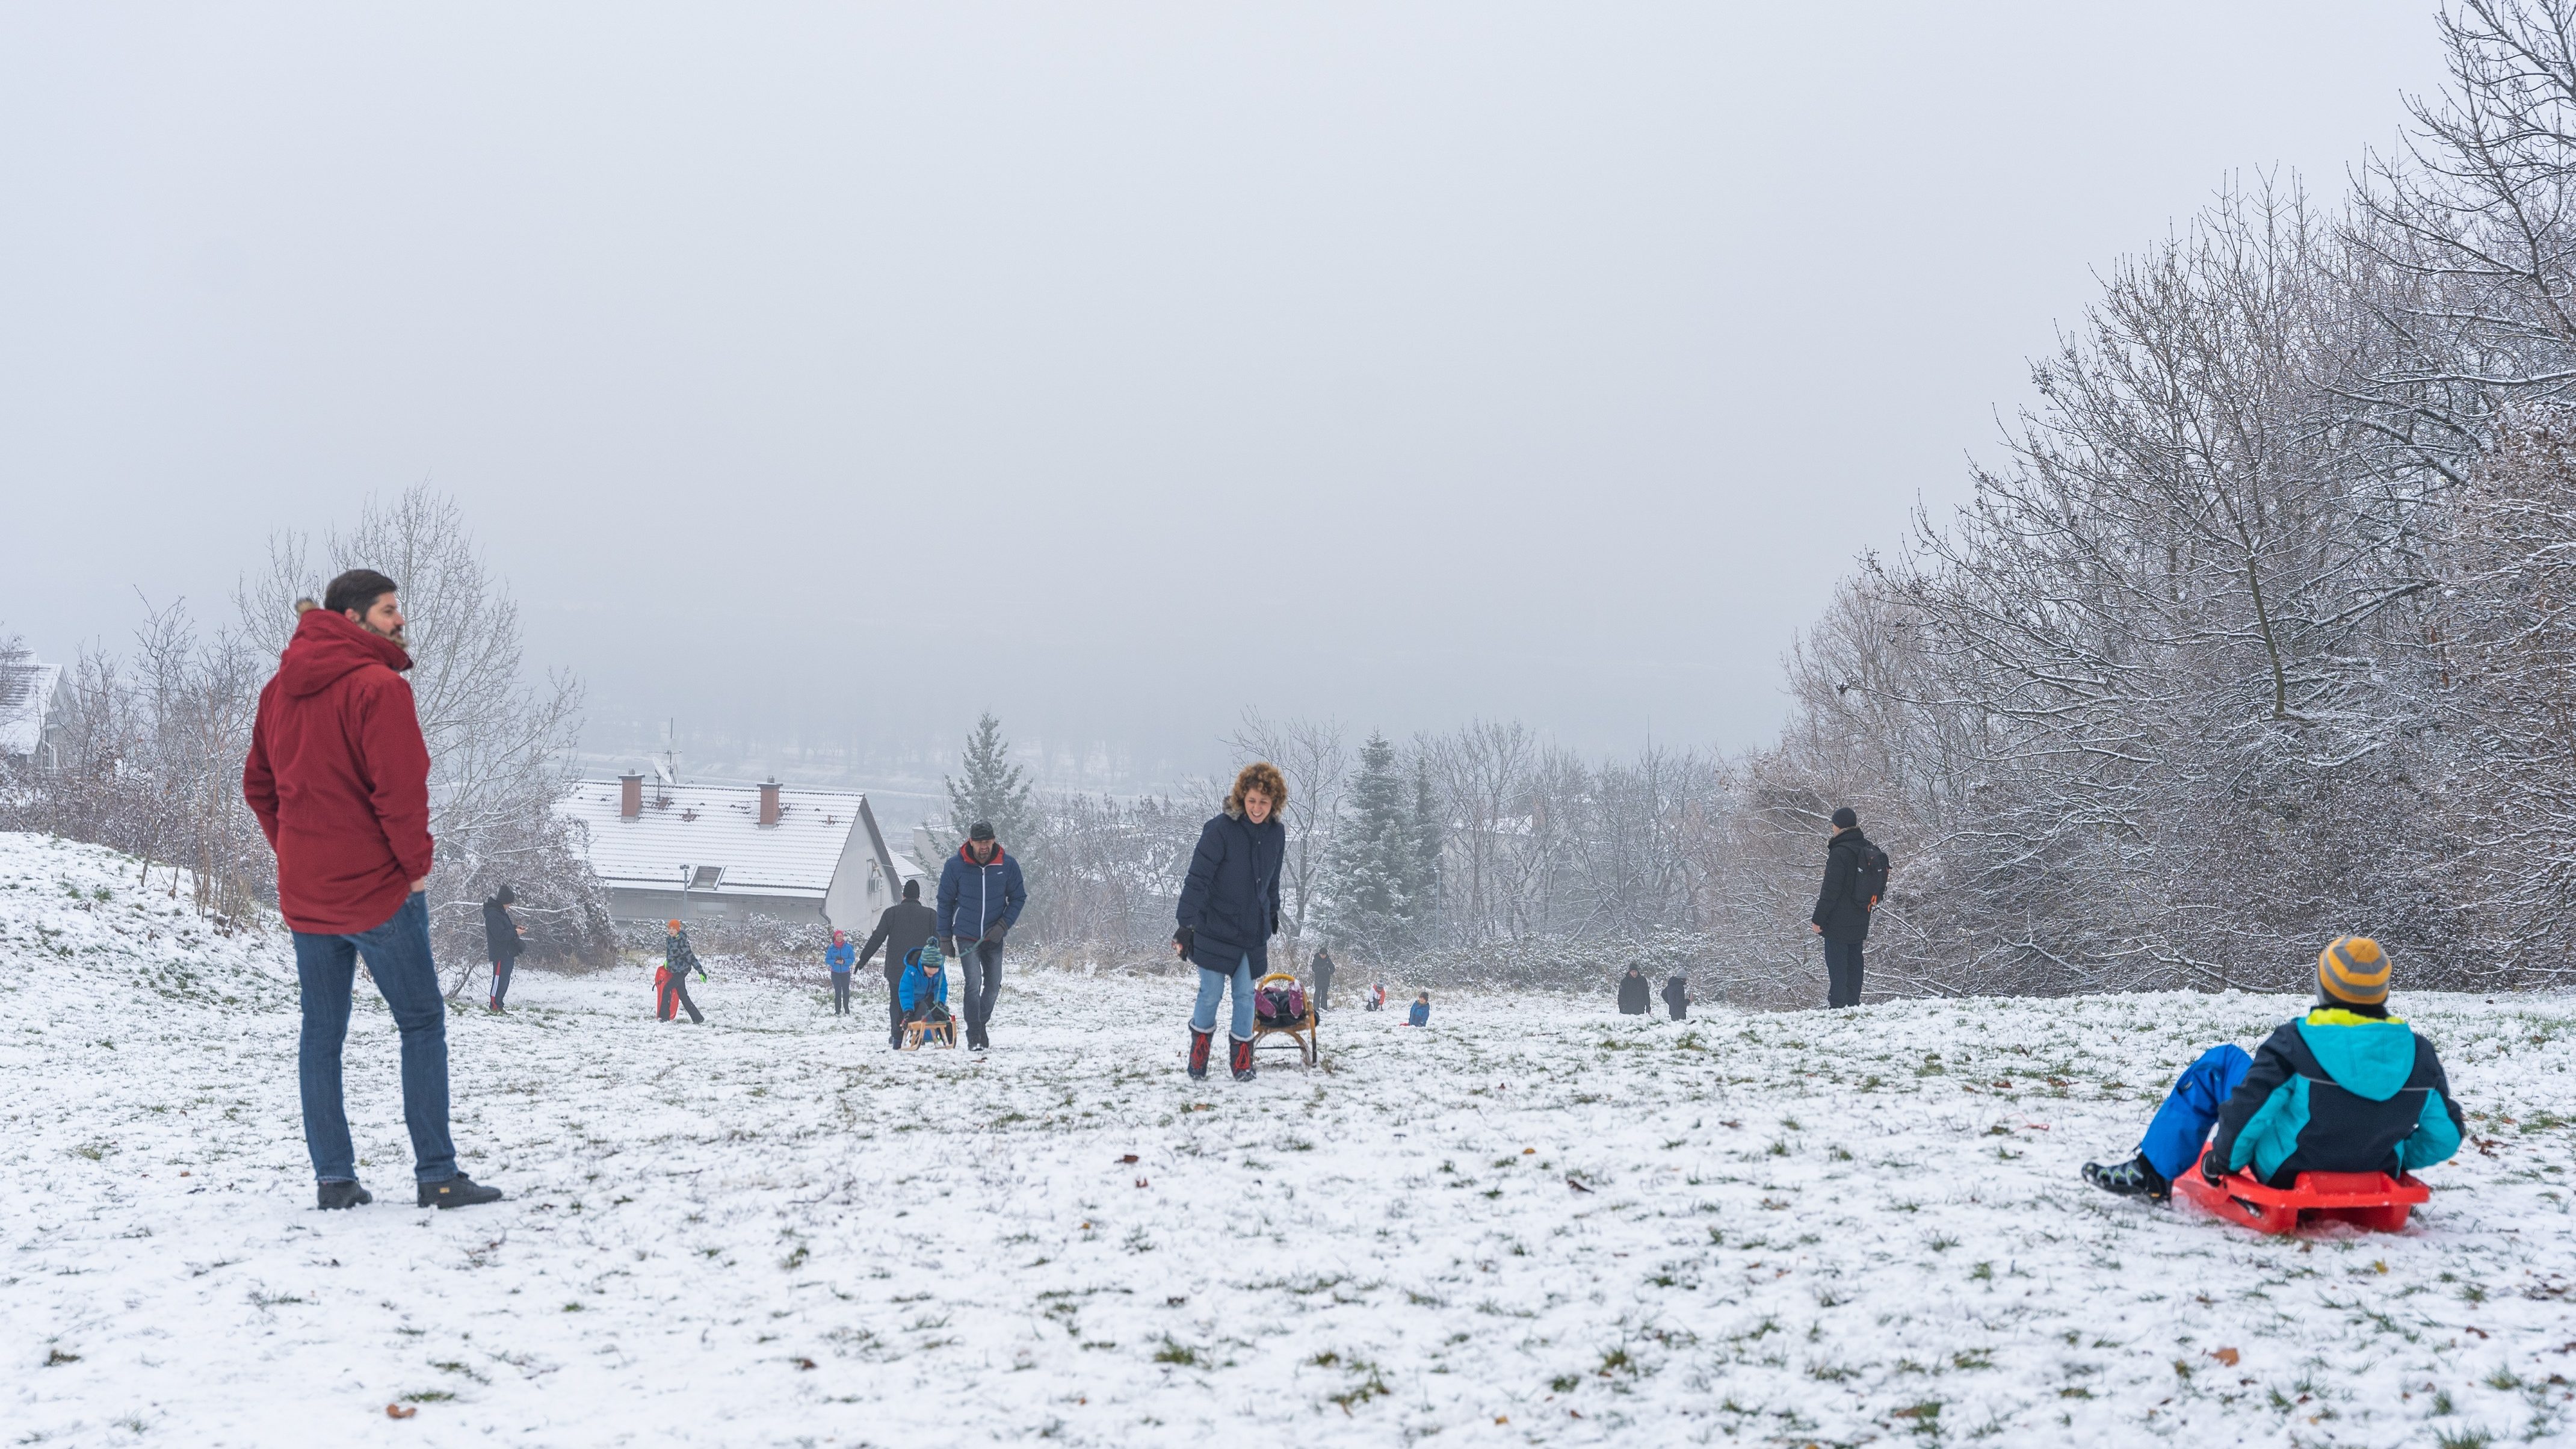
x: 1869, y: 875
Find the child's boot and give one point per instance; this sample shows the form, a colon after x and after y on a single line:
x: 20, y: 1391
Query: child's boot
x: 2133, y: 1178
x: 1242, y: 1058
x: 1199, y: 1044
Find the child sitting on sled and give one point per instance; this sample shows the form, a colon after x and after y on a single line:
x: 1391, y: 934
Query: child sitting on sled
x: 2346, y: 1088
x: 923, y: 993
x: 1420, y: 1015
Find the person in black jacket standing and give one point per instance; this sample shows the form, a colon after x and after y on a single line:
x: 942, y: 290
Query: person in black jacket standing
x: 902, y: 928
x: 1677, y: 995
x: 500, y: 942
x: 1842, y: 913
x: 1632, y: 992
x: 1230, y: 908
x: 1322, y: 970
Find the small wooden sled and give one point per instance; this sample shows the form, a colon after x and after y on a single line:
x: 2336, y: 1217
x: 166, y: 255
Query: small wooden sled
x: 2370, y: 1200
x: 919, y: 1034
x: 1300, y: 1032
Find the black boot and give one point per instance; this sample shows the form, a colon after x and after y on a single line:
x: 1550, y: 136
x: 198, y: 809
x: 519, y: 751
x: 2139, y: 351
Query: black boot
x: 1243, y: 1059
x: 1200, y: 1041
x: 2133, y: 1178
x: 332, y: 1196
x: 457, y: 1191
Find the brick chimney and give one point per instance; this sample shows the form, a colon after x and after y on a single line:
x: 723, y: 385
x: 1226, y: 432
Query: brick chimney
x: 768, y: 804
x: 630, y: 796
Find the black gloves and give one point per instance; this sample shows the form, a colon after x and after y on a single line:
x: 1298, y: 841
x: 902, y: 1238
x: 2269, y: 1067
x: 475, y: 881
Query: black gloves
x: 948, y: 947
x: 1185, y: 938
x: 997, y: 931
x: 2212, y: 1171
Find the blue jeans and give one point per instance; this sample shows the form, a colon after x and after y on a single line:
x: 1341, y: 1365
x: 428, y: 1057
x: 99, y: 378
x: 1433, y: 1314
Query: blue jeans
x: 398, y: 957
x: 1212, y: 989
x: 2181, y: 1126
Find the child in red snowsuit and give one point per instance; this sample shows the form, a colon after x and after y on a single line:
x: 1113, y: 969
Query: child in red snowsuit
x: 671, y: 983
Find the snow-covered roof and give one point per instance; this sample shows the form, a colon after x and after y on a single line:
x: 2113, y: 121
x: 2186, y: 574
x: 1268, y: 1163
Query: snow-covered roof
x: 906, y: 868
x: 26, y: 692
x: 698, y: 826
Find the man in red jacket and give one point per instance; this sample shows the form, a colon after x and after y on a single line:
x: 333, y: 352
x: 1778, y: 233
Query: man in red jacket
x: 339, y: 777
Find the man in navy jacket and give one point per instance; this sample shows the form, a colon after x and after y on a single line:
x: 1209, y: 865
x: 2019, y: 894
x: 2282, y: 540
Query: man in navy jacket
x: 980, y: 896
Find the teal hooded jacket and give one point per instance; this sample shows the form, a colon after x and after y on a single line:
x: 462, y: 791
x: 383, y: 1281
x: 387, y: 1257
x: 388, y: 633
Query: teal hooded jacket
x: 2336, y: 1091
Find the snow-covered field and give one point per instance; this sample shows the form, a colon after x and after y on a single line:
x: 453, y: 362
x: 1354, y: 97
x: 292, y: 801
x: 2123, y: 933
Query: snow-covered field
x: 1536, y: 1222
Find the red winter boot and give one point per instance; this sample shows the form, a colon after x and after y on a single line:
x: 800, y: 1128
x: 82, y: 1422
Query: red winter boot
x: 1242, y: 1058
x: 1199, y: 1041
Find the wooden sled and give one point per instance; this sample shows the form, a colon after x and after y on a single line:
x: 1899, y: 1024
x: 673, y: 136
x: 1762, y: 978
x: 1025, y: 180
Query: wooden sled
x: 2370, y: 1200
x: 919, y: 1034
x: 1300, y: 1032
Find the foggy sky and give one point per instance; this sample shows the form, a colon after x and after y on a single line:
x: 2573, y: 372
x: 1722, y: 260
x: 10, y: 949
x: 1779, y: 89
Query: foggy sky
x: 837, y: 372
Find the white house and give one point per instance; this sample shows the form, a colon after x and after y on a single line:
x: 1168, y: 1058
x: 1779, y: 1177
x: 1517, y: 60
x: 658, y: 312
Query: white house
x: 700, y: 852
x: 26, y: 707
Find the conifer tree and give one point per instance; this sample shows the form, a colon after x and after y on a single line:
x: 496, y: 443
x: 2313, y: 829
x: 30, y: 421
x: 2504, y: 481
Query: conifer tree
x: 1422, y: 861
x: 993, y: 790
x: 1371, y: 875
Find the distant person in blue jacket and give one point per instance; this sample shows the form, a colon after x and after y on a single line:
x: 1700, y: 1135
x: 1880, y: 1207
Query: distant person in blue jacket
x: 2346, y: 1088
x: 1420, y: 1015
x: 839, y: 956
x: 980, y: 896
x: 925, y: 985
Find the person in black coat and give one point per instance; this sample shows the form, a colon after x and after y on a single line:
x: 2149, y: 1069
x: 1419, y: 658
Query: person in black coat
x: 1323, y: 974
x: 901, y: 928
x: 1229, y: 908
x: 1632, y: 992
x: 500, y: 942
x: 1842, y: 915
x: 1677, y: 996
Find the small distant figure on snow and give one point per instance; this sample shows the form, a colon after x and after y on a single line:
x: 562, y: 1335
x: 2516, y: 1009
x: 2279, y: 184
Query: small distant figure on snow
x: 2346, y: 1088
x: 1855, y: 878
x: 1633, y: 992
x: 1677, y: 995
x: 1377, y: 997
x: 839, y: 957
x: 671, y: 983
x: 1322, y: 971
x: 501, y: 942
x: 1420, y: 1015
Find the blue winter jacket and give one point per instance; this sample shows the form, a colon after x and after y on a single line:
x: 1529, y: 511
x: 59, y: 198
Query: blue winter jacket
x: 2339, y: 1092
x: 1230, y: 900
x: 972, y: 897
x: 917, y: 983
x: 839, y: 957
x: 1420, y: 1015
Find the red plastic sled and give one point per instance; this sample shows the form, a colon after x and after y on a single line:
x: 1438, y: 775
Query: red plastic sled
x: 2371, y: 1200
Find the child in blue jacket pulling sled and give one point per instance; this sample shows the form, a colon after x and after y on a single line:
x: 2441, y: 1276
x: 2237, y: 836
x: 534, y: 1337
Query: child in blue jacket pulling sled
x: 2346, y: 1088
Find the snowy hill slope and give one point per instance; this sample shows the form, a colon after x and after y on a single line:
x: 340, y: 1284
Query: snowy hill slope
x: 1537, y: 1222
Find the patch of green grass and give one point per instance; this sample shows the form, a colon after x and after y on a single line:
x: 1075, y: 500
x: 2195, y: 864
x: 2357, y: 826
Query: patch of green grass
x: 1175, y: 1352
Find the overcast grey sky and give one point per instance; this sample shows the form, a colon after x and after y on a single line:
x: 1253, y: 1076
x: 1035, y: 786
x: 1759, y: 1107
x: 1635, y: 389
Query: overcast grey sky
x: 842, y: 371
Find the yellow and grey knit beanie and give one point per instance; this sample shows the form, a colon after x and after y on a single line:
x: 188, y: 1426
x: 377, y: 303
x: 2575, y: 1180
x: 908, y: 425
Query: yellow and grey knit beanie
x: 2353, y: 969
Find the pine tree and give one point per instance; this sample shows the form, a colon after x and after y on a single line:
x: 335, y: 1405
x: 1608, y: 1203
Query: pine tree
x: 1422, y: 861
x: 1371, y: 875
x: 993, y: 790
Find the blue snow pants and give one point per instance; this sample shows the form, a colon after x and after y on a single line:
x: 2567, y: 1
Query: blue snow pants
x: 2181, y: 1126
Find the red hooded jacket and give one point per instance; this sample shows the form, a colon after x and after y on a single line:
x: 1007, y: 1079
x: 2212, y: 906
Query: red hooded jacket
x: 339, y: 777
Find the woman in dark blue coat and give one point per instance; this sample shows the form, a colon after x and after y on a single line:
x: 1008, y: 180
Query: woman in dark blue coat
x: 1230, y: 908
